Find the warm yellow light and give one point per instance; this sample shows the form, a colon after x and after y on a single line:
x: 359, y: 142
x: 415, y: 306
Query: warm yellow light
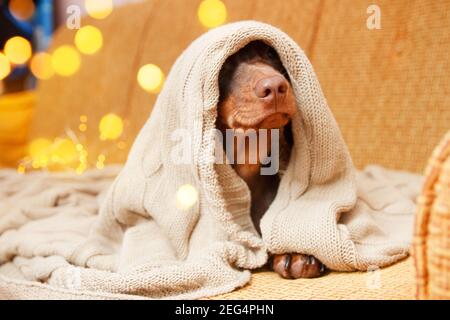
x: 66, y: 60
x: 150, y: 78
x: 64, y: 151
x: 187, y: 196
x: 22, y: 9
x: 110, y: 127
x: 83, y: 160
x: 212, y: 13
x: 5, y: 67
x: 39, y: 150
x: 98, y: 9
x: 88, y: 39
x: 83, y: 157
x: 41, y: 66
x: 83, y: 118
x: 100, y: 161
x: 21, y: 169
x: 18, y: 50
x: 82, y: 127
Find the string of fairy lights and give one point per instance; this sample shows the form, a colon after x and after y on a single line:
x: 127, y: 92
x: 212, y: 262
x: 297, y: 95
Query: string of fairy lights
x: 69, y: 152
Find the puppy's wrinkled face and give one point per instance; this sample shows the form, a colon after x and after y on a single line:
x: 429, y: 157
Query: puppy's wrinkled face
x: 254, y: 90
x: 255, y: 93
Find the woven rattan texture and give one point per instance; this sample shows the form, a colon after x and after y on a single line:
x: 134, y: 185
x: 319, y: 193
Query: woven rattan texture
x: 432, y: 230
x: 388, y: 88
x: 394, y: 282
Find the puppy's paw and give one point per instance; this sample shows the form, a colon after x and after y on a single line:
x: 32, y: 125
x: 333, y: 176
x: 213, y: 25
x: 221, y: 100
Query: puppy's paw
x: 295, y: 265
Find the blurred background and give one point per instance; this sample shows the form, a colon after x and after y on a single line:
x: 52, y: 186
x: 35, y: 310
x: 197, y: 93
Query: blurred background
x: 26, y: 31
x: 78, y: 78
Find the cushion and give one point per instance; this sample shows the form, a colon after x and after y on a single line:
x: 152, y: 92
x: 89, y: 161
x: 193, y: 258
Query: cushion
x: 394, y: 282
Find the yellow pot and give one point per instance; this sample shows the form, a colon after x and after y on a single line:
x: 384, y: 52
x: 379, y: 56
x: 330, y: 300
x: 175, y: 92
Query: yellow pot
x: 16, y: 110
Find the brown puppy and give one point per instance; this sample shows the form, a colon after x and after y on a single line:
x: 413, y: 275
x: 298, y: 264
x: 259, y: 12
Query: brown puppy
x: 255, y: 93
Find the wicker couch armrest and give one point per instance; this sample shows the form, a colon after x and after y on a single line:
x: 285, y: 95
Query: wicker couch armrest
x: 431, y: 249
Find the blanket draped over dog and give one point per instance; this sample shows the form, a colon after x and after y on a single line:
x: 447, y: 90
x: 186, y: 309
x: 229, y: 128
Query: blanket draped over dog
x: 142, y: 243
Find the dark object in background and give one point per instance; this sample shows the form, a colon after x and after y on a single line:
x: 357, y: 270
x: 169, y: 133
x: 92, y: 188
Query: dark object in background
x: 37, y: 29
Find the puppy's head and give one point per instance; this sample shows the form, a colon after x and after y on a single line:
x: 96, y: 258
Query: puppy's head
x: 255, y: 91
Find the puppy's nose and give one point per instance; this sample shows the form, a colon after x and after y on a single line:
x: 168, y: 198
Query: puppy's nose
x: 271, y: 88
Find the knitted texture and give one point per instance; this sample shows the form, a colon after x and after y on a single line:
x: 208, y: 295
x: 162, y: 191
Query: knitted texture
x: 141, y: 243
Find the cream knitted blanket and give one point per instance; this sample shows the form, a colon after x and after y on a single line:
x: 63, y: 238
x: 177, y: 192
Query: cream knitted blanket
x: 143, y: 243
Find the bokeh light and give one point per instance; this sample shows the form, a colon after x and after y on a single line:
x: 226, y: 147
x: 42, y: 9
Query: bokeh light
x: 212, y: 13
x: 66, y: 60
x: 100, y: 161
x: 110, y: 127
x: 39, y: 150
x: 61, y: 153
x: 64, y: 151
x: 41, y: 66
x: 22, y: 9
x: 83, y: 157
x: 99, y: 9
x: 82, y: 127
x: 150, y: 78
x: 18, y: 50
x: 5, y: 67
x: 88, y: 39
x: 187, y: 196
x: 21, y: 169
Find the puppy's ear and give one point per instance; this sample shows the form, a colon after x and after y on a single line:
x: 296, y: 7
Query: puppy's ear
x: 288, y: 136
x: 271, y: 54
x: 225, y: 76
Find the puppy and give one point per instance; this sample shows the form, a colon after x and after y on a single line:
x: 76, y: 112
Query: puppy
x: 255, y: 93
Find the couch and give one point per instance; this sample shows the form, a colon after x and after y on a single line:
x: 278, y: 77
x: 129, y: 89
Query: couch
x: 388, y: 89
